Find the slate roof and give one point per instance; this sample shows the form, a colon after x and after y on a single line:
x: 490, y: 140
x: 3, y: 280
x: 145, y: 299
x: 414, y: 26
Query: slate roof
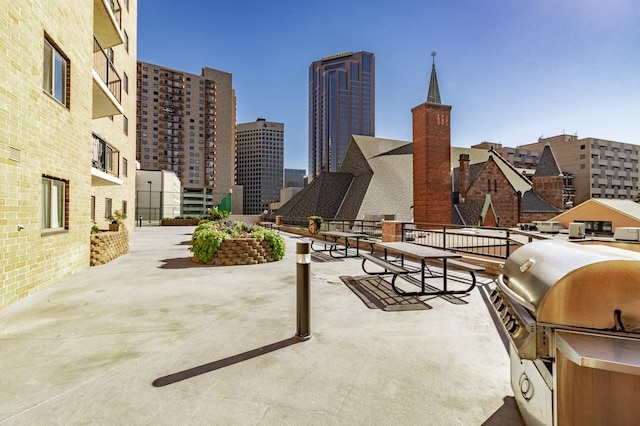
x: 322, y: 197
x: 533, y: 203
x: 390, y: 190
x: 368, y: 183
x: 547, y: 165
x: 467, y: 214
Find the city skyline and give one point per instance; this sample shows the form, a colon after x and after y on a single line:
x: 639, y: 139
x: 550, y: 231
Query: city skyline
x: 512, y: 72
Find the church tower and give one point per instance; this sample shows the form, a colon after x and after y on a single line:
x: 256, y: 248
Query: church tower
x: 432, y: 157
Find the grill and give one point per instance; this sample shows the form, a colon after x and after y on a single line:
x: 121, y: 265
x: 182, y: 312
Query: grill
x: 572, y: 314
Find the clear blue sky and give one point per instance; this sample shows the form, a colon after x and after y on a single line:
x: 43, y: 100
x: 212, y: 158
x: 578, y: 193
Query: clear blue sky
x: 512, y: 70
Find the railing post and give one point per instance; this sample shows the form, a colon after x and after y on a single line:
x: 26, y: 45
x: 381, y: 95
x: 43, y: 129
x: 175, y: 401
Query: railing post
x: 508, y: 245
x: 303, y: 278
x: 444, y: 237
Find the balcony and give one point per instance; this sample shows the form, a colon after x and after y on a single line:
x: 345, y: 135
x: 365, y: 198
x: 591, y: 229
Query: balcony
x: 105, y: 163
x: 107, y: 86
x: 107, y: 22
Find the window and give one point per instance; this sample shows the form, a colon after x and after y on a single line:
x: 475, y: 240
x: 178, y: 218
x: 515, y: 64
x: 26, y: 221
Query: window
x: 126, y: 41
x: 54, y: 211
x: 107, y: 208
x: 125, y: 125
x: 125, y: 167
x: 124, y: 207
x: 55, y: 79
x: 125, y: 82
x: 93, y: 208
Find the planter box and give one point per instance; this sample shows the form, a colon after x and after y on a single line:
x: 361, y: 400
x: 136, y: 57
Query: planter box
x: 241, y: 251
x: 106, y: 246
x: 180, y: 222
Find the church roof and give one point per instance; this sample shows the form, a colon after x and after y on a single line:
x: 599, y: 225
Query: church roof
x: 547, y: 165
x: 433, y: 95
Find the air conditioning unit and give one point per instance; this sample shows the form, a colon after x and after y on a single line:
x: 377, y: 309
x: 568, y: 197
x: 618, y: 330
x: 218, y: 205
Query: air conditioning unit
x: 548, y: 227
x: 576, y: 230
x: 627, y: 233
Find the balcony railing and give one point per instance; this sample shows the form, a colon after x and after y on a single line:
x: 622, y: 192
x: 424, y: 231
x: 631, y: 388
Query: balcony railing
x: 104, y: 157
x: 117, y: 11
x: 105, y: 69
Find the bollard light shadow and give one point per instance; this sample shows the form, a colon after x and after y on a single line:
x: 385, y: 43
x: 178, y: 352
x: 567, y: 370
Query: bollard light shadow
x: 225, y: 362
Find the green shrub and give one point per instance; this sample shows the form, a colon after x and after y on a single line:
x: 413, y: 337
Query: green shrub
x: 209, y: 236
x: 273, y: 238
x: 95, y: 229
x: 206, y: 240
x: 215, y: 214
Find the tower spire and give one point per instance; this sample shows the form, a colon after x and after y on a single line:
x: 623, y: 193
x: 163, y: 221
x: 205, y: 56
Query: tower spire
x: 433, y: 95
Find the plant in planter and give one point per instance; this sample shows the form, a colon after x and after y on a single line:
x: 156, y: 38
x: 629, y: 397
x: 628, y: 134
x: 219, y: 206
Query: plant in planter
x: 216, y: 214
x: 117, y: 221
x: 314, y: 224
x: 95, y: 229
x: 209, y: 236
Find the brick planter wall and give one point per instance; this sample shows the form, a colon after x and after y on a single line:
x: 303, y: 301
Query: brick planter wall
x: 180, y: 222
x: 106, y: 246
x: 241, y: 251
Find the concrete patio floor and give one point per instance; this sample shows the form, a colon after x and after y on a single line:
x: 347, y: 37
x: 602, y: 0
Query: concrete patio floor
x: 217, y: 343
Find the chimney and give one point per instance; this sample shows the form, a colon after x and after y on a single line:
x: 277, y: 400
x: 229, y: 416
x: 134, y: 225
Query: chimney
x: 463, y: 177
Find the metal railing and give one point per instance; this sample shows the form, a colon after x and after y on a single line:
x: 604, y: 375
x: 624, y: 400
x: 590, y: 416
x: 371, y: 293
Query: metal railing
x: 117, y: 11
x: 489, y: 242
x: 104, y: 157
x: 483, y: 241
x: 105, y: 69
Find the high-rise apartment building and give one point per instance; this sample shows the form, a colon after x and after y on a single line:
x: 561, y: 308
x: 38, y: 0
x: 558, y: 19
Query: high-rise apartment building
x: 186, y: 124
x: 67, y: 146
x: 260, y: 159
x: 341, y: 103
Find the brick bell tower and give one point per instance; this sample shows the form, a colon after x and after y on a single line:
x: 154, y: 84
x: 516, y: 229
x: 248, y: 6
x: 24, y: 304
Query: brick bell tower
x: 432, y: 157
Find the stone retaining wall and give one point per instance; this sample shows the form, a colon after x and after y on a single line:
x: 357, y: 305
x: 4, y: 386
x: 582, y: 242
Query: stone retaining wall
x: 241, y: 251
x: 106, y: 246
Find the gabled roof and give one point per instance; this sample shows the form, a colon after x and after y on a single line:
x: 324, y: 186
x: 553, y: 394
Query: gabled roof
x: 627, y: 208
x: 390, y: 189
x: 547, y: 165
x: 322, y: 197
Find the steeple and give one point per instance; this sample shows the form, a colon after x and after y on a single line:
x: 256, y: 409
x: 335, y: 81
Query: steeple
x: 433, y: 96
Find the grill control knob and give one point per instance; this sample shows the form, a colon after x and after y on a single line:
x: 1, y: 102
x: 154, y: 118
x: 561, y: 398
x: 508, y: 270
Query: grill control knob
x: 501, y: 307
x: 512, y: 327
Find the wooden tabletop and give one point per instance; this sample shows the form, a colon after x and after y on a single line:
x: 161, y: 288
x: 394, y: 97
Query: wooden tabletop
x: 416, y: 250
x: 340, y: 234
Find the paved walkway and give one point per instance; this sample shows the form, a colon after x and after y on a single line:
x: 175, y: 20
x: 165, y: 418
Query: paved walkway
x: 154, y: 339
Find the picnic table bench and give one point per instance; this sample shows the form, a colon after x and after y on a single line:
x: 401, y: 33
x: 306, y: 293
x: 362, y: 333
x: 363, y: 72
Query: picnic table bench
x: 426, y: 255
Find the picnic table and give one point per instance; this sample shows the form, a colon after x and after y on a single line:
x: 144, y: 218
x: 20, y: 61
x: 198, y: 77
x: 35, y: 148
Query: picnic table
x: 423, y: 254
x: 269, y: 225
x: 346, y: 236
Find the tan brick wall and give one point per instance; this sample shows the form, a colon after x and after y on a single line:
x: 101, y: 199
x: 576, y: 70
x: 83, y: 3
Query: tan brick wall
x: 241, y: 251
x: 106, y: 246
x: 39, y: 136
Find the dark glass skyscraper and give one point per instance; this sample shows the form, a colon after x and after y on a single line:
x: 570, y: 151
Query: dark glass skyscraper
x: 341, y: 103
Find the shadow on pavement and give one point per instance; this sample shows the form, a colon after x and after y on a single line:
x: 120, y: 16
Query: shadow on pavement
x: 180, y: 263
x: 225, y: 362
x: 507, y: 415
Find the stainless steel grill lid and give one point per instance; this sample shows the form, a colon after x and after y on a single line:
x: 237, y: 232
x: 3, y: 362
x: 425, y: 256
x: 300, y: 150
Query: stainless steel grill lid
x: 576, y: 285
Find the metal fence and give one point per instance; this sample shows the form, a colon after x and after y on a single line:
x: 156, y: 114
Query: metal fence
x: 490, y: 242
x: 484, y: 241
